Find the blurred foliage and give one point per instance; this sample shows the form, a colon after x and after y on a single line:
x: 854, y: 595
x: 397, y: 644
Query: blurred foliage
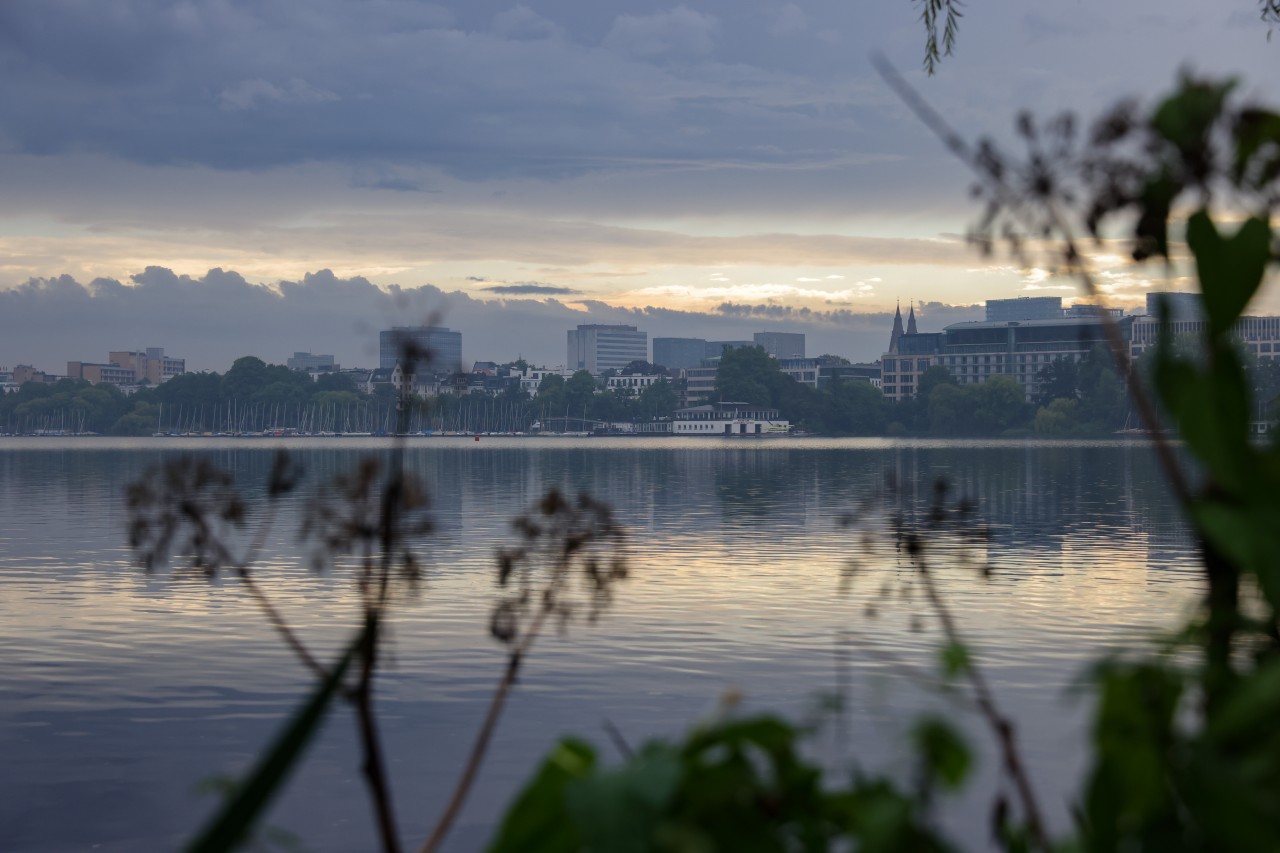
x: 734, y: 784
x: 1185, y: 750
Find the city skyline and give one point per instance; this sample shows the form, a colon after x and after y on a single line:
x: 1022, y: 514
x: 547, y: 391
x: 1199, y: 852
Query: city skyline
x: 598, y: 164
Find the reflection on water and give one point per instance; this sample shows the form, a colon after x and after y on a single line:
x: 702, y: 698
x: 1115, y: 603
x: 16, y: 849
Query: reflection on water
x: 119, y: 692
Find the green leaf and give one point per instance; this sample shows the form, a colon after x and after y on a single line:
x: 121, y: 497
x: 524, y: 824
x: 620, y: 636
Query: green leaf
x: 1230, y: 270
x: 1251, y: 711
x: 1257, y: 155
x: 539, y: 819
x: 233, y: 822
x: 945, y: 754
x: 620, y: 810
x: 1186, y: 117
x: 955, y: 659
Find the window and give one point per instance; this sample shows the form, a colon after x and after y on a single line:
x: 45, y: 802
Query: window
x: 922, y: 365
x: 890, y: 364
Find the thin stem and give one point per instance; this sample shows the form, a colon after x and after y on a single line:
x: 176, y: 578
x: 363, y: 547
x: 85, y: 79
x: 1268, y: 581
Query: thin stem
x: 1001, y: 725
x: 273, y: 614
x: 375, y: 771
x: 277, y: 620
x: 1120, y: 354
x: 933, y: 120
x: 487, y: 728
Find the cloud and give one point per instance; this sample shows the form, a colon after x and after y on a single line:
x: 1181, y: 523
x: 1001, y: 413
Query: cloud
x: 529, y: 288
x: 681, y: 31
x: 522, y: 23
x: 214, y: 318
x: 248, y: 94
x: 790, y: 20
x: 766, y: 291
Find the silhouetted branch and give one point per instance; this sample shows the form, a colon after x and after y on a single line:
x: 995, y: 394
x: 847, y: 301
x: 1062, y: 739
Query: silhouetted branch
x: 480, y: 747
x: 1000, y: 724
x: 561, y: 542
x: 984, y: 162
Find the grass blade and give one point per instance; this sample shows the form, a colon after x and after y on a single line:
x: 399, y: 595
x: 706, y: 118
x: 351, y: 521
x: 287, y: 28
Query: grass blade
x: 230, y: 827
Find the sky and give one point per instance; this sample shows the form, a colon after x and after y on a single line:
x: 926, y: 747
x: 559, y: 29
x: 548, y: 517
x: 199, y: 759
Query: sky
x: 223, y: 177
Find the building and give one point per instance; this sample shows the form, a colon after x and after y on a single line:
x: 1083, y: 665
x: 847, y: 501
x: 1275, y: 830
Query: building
x: 126, y: 368
x: 308, y: 363
x: 102, y: 374
x: 25, y: 373
x: 531, y: 377
x: 1021, y: 348
x: 781, y: 345
x: 597, y: 348
x: 729, y: 419
x: 150, y: 364
x: 1023, y: 308
x: 675, y: 353
x: 802, y: 370
x: 700, y: 382
x: 635, y: 383
x: 715, y: 349
x: 433, y: 349
x: 820, y: 372
x: 1258, y: 337
x: 974, y: 352
x: 866, y: 372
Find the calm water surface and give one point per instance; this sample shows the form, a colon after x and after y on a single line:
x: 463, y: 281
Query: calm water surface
x: 121, y: 693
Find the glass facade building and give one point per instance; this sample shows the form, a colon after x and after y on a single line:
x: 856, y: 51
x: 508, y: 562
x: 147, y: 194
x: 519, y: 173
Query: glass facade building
x: 436, y: 348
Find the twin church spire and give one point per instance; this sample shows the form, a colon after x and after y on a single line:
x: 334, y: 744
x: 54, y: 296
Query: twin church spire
x: 897, y: 325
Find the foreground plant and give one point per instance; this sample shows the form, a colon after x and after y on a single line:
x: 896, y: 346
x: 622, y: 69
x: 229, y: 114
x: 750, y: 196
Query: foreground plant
x: 1185, y: 751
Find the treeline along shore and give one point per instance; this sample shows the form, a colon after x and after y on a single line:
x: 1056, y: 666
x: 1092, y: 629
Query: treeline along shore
x: 1074, y: 399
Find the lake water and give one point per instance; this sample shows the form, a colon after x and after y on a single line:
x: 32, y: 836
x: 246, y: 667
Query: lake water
x: 122, y: 693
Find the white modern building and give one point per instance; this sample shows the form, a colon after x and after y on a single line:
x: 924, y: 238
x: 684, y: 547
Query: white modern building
x: 598, y: 347
x: 531, y: 377
x: 739, y: 419
x: 635, y: 383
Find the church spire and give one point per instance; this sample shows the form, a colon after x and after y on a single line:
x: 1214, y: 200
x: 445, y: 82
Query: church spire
x: 897, y: 329
x: 911, y: 319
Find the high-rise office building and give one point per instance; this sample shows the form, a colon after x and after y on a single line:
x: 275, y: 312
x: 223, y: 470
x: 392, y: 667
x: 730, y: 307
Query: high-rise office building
x: 436, y: 348
x: 598, y: 348
x: 1024, y: 308
x: 715, y: 349
x: 781, y: 344
x: 679, y: 352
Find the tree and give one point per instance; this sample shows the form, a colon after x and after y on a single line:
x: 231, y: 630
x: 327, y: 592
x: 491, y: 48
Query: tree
x: 658, y: 401
x: 932, y: 378
x: 335, y: 382
x: 246, y: 377
x: 1058, y: 418
x: 950, y: 409
x: 747, y: 375
x: 1058, y: 380
x: 854, y: 407
x: 579, y: 393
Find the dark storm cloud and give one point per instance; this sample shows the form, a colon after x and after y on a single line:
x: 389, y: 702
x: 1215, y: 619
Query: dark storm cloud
x: 212, y: 319
x: 530, y: 288
x: 932, y: 316
x: 546, y: 93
